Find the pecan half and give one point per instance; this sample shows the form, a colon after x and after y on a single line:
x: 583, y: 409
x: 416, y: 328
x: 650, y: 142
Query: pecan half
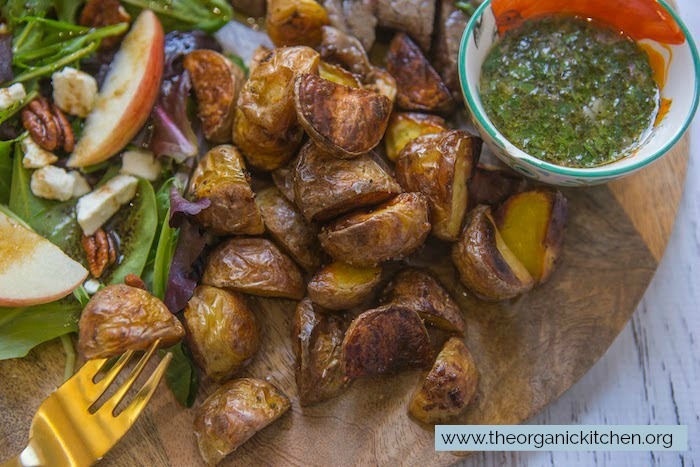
x: 132, y: 280
x: 100, y: 250
x: 100, y: 13
x: 48, y: 125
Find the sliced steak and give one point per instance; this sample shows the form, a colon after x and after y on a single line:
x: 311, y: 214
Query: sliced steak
x: 355, y: 17
x: 450, y: 27
x: 414, y: 17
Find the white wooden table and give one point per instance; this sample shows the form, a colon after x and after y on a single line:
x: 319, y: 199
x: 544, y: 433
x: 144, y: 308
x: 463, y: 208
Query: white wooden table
x: 651, y: 374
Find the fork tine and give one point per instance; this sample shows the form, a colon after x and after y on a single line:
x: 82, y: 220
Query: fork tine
x: 90, y: 369
x: 104, y: 383
x: 144, y: 395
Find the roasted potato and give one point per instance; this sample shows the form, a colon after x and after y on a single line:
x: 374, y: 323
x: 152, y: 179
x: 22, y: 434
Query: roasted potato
x: 421, y: 292
x: 339, y: 286
x: 234, y: 413
x: 221, y: 176
x: 449, y: 387
x: 439, y: 166
x: 120, y: 318
x: 387, y: 339
x: 318, y: 343
x: 486, y: 265
x: 283, y: 178
x: 379, y: 80
x: 338, y: 75
x: 287, y: 226
x: 419, y: 85
x: 492, y: 185
x: 344, y: 121
x: 217, y: 83
x: 326, y: 187
x: 404, y: 127
x: 392, y: 230
x: 254, y: 266
x: 345, y: 50
x: 532, y: 224
x: 295, y: 22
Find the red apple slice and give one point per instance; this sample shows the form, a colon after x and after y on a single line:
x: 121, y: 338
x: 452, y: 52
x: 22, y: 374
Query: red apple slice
x: 127, y: 95
x: 32, y: 269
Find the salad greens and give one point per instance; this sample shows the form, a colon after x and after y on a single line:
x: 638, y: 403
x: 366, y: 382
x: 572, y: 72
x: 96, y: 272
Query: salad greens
x: 5, y: 170
x: 183, y: 15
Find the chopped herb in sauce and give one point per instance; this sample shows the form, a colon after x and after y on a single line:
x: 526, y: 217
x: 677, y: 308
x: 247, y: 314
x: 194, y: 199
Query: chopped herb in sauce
x: 570, y: 91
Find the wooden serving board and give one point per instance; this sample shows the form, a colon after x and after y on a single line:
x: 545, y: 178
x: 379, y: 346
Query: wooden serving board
x: 529, y: 351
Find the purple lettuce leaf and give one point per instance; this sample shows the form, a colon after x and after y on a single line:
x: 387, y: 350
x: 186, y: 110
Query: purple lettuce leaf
x: 181, y: 209
x: 172, y: 130
x: 6, y: 58
x: 181, y: 280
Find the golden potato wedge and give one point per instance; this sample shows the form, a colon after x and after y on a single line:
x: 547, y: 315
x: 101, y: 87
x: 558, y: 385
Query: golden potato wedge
x: 532, y: 224
x: 260, y: 53
x: 326, y: 187
x: 419, y: 85
x: 420, y: 291
x: 234, y: 413
x: 120, y: 318
x: 404, y: 127
x: 217, y: 83
x: 287, y: 226
x: 318, y: 343
x: 345, y: 50
x: 295, y: 22
x: 379, y: 80
x: 449, y: 387
x: 387, y: 339
x: 392, y: 230
x: 221, y: 331
x: 254, y: 266
x: 338, y: 75
x: 492, y: 185
x: 283, y: 178
x: 486, y: 265
x: 339, y: 286
x: 344, y: 121
x: 221, y: 176
x: 439, y: 166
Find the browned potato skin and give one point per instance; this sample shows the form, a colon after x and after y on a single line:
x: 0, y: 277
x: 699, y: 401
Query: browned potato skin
x: 379, y: 80
x: 289, y: 229
x: 338, y: 75
x: 221, y: 331
x: 449, y: 387
x: 221, y: 176
x: 295, y: 22
x: 254, y: 266
x: 120, y: 318
x: 345, y: 50
x: 419, y: 85
x: 283, y: 178
x: 387, y: 339
x: 481, y: 265
x: 420, y: 291
x: 326, y: 187
x: 217, y: 83
x: 440, y: 166
x: 339, y: 286
x: 406, y: 126
x: 344, y: 121
x: 392, y: 230
x: 234, y: 413
x: 318, y: 343
x: 492, y: 185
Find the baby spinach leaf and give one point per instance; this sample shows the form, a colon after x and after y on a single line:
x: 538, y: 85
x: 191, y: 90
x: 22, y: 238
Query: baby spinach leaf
x: 5, y: 171
x: 181, y: 375
x: 167, y: 243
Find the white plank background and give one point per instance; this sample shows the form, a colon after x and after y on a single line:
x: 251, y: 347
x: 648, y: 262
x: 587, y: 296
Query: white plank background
x: 651, y: 374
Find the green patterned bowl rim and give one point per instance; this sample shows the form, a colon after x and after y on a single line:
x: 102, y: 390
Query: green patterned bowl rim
x: 578, y: 172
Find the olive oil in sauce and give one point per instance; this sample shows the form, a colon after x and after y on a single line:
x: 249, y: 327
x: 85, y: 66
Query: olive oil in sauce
x: 570, y: 91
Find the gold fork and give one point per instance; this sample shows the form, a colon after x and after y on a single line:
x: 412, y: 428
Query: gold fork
x: 65, y: 433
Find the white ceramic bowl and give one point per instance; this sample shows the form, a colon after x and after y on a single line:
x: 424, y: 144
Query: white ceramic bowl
x: 681, y: 86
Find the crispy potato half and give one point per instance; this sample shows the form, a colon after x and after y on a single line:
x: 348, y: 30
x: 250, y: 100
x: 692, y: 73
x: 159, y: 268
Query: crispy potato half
x: 283, y: 178
x: 392, y: 230
x: 404, y: 127
x: 344, y: 121
x: 419, y: 85
x: 326, y: 187
x: 387, y: 339
x: 439, y: 166
x: 486, y: 265
x: 449, y: 387
x: 338, y: 75
x: 379, y: 80
x: 344, y: 49
x: 318, y: 343
x: 420, y: 291
x: 339, y: 286
x: 254, y: 266
x: 217, y: 83
x: 492, y: 185
x: 221, y: 176
x: 234, y: 413
x: 221, y: 331
x: 532, y: 224
x: 295, y: 22
x: 120, y: 318
x: 287, y: 226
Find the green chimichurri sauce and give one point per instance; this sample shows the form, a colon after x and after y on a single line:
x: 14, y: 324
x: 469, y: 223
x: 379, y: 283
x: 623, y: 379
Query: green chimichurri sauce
x: 570, y: 91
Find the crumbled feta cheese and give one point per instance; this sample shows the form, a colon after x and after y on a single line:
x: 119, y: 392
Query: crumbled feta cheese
x: 36, y: 157
x: 92, y: 286
x: 52, y: 182
x: 140, y: 163
x: 94, y: 209
x: 9, y: 96
x: 74, y: 91
x: 82, y: 187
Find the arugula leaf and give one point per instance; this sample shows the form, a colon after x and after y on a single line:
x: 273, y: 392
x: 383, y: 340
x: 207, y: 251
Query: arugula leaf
x: 66, y: 10
x: 181, y: 375
x: 5, y: 171
x: 207, y: 15
x: 164, y: 257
